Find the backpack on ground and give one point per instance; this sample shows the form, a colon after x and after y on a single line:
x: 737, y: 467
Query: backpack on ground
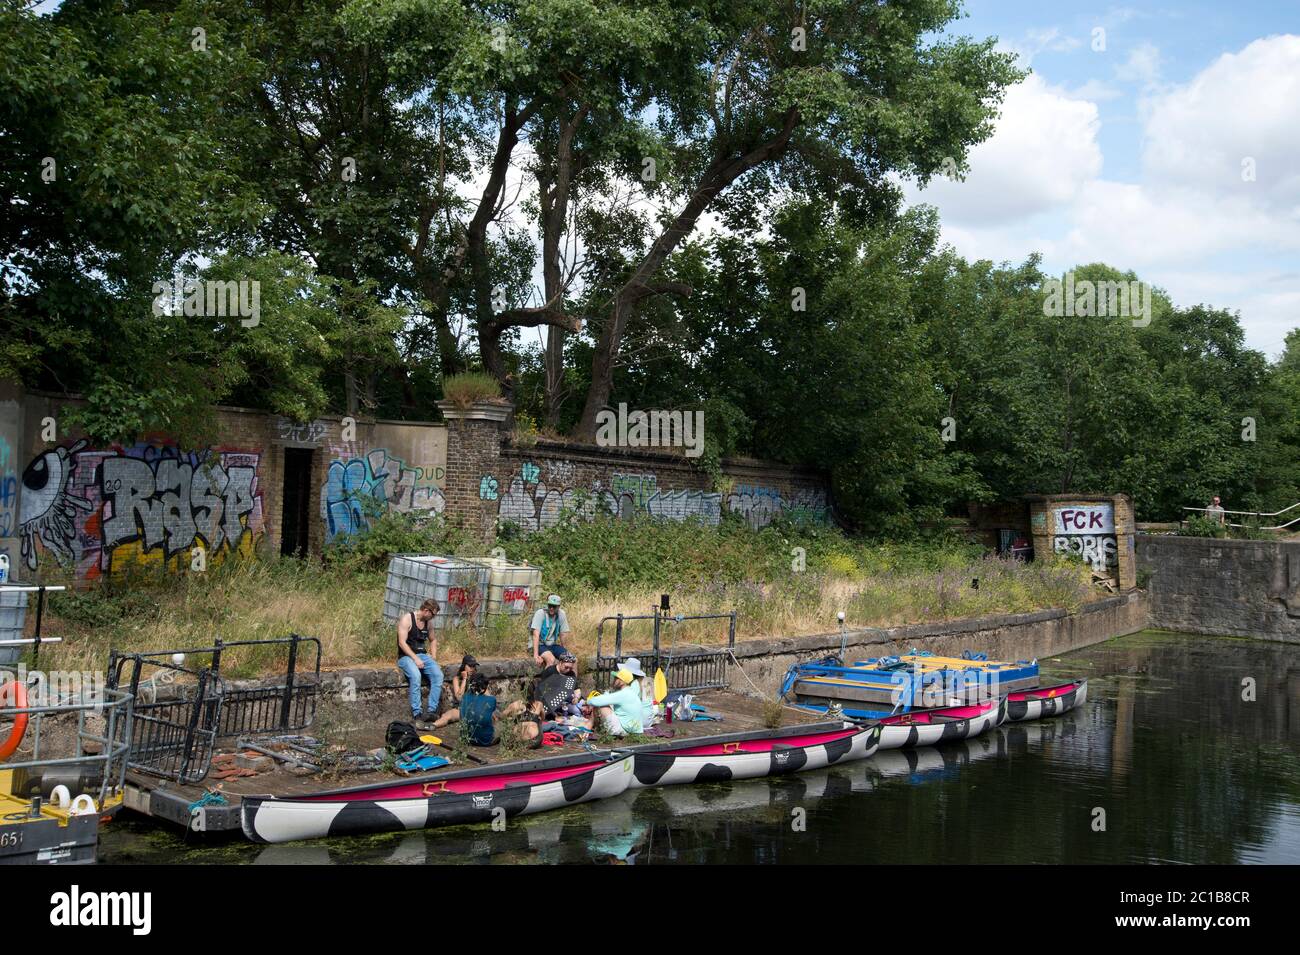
x: 402, y: 737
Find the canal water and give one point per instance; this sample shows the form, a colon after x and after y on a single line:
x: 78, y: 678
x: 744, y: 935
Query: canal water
x: 1168, y: 761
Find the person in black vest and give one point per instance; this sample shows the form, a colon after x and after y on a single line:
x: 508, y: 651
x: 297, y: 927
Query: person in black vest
x: 416, y: 649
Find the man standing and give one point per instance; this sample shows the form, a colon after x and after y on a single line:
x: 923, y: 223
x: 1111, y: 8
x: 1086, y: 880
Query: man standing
x: 547, y: 631
x: 416, y: 649
x: 1215, y: 512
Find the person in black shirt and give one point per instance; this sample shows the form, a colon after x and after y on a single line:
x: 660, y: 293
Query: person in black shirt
x: 416, y: 649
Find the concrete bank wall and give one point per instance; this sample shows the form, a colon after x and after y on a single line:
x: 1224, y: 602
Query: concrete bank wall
x: 1004, y: 637
x: 764, y: 662
x: 1223, y: 587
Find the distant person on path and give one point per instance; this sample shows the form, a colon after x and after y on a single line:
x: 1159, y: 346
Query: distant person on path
x: 1215, y: 512
x: 547, y: 631
x: 416, y: 649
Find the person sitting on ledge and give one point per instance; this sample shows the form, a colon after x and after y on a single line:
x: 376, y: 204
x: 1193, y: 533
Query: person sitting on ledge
x: 547, y: 632
x: 478, y: 715
x: 459, y: 687
x: 619, y: 711
x: 416, y: 649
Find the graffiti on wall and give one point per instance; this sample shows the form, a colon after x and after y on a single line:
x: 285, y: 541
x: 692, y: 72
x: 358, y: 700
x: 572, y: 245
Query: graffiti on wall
x: 533, y: 503
x: 8, y: 490
x: 149, y: 504
x: 1087, y: 531
x: 310, y: 433
x: 357, y: 487
x: 759, y: 506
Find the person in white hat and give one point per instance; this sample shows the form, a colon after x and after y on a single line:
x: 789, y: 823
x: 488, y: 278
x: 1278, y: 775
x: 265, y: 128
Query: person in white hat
x: 633, y: 666
x: 619, y: 710
x: 547, y: 631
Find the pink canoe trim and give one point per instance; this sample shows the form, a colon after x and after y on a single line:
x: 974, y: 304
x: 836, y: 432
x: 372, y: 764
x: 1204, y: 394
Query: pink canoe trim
x: 467, y: 784
x: 1044, y: 692
x: 955, y: 712
x: 756, y: 745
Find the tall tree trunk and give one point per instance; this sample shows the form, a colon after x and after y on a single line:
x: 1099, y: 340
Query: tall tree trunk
x: 720, y: 174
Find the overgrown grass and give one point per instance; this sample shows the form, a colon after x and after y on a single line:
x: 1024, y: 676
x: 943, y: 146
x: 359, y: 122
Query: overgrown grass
x: 602, y: 568
x: 465, y: 389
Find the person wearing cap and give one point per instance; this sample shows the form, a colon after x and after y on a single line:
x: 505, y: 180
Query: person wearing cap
x: 548, y: 629
x: 459, y: 687
x: 619, y: 710
x: 554, y: 691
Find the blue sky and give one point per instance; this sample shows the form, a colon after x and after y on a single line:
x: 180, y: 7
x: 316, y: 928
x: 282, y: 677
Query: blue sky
x: 1168, y: 143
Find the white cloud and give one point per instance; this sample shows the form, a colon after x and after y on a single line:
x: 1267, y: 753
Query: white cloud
x: 1044, y: 150
x: 1244, y: 105
x: 1190, y: 224
x: 1142, y: 65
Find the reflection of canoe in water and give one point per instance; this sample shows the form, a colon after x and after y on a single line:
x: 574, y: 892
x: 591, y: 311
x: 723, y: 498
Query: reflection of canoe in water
x: 1046, y: 701
x: 942, y: 724
x: 751, y: 755
x: 473, y: 796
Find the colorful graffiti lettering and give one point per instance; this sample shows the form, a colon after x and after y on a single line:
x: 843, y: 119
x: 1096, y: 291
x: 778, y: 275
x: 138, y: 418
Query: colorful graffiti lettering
x: 149, y: 504
x: 8, y: 489
x: 357, y: 487
x: 532, y: 504
x: 1088, y: 532
x: 488, y: 488
x: 759, y: 506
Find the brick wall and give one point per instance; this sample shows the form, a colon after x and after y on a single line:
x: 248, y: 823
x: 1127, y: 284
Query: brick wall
x: 1097, y: 528
x: 532, y: 486
x: 155, y: 504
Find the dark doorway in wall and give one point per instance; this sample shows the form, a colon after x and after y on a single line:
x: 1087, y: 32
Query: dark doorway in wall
x: 296, y: 523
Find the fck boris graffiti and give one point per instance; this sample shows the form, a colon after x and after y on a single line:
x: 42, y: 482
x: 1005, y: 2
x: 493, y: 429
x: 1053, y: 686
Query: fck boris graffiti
x: 101, y: 509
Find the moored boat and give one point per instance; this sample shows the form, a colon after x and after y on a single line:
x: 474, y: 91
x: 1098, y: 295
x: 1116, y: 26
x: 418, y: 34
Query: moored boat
x: 751, y: 755
x: 884, y: 685
x: 449, y: 799
x: 1046, y: 701
x: 940, y: 724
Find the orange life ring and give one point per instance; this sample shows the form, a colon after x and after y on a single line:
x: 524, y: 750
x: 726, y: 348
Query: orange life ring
x: 19, y: 694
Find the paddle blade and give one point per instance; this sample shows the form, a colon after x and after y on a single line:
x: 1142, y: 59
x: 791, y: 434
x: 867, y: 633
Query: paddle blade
x: 661, y: 686
x: 431, y: 739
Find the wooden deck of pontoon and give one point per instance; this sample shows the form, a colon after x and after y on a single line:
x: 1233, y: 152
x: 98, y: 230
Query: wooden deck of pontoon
x: 170, y: 802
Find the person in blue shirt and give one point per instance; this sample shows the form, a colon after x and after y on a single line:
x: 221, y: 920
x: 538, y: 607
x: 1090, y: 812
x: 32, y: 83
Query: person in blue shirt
x: 618, y: 711
x: 479, y: 714
x: 547, y: 632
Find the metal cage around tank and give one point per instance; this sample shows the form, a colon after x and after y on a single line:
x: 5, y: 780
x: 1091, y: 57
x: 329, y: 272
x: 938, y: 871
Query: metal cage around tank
x: 689, y: 667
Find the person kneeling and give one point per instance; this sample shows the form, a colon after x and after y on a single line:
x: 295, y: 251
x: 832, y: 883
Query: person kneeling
x: 618, y: 711
x: 478, y: 715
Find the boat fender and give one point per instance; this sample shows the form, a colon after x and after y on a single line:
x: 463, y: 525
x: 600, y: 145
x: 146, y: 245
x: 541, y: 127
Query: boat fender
x: 60, y: 796
x: 83, y: 805
x: 17, y: 693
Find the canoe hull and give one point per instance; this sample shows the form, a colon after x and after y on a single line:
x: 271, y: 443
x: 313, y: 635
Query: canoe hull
x: 903, y: 735
x: 771, y: 757
x: 1043, y: 702
x: 288, y: 820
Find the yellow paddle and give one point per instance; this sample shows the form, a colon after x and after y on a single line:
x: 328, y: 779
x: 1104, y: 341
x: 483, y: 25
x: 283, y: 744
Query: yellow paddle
x: 661, y: 686
x: 435, y: 741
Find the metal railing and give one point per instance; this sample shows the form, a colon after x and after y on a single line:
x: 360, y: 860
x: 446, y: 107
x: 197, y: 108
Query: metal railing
x: 36, y: 641
x: 102, y: 742
x: 1258, y: 515
x: 689, y: 667
x: 182, y: 708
